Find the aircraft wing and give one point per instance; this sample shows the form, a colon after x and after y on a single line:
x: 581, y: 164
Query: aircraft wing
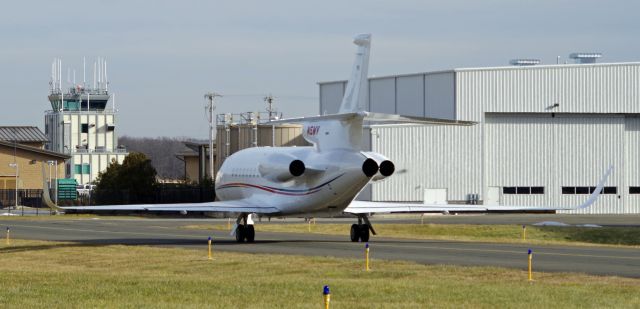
x: 222, y: 207
x: 364, y: 207
x: 237, y: 206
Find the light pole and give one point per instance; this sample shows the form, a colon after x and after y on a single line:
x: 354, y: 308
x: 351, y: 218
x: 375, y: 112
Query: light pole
x: 53, y: 162
x: 15, y: 165
x: 210, y: 108
x: 50, y: 164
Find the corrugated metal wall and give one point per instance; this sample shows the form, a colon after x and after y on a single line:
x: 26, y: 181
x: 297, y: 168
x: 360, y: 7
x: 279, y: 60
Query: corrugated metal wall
x: 569, y: 150
x: 516, y: 142
x: 424, y: 94
x: 331, y: 94
x: 631, y: 167
x: 427, y: 157
x: 598, y: 88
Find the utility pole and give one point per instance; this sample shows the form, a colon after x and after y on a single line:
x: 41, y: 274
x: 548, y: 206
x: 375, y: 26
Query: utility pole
x: 269, y: 100
x: 210, y: 108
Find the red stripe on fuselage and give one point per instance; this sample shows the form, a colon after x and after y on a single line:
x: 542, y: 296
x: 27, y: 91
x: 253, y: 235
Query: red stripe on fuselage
x: 272, y: 190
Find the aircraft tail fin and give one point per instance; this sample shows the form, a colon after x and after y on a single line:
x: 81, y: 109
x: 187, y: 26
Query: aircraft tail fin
x: 344, y: 129
x: 355, y: 96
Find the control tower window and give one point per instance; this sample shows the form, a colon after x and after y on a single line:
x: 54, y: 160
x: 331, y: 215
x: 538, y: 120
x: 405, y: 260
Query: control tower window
x: 85, y: 128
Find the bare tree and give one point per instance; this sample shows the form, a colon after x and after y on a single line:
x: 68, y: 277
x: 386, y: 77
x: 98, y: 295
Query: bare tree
x: 161, y: 151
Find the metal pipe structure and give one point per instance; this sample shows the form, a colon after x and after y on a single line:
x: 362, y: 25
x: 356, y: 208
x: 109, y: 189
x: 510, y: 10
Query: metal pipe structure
x: 211, y: 107
x: 16, y: 166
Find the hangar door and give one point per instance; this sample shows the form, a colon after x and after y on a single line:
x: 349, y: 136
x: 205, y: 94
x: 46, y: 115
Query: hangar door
x: 537, y: 159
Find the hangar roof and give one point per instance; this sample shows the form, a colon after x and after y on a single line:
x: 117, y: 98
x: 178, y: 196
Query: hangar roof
x: 34, y: 149
x: 22, y: 134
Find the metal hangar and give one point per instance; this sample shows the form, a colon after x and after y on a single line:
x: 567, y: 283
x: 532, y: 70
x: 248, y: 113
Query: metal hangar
x: 545, y: 134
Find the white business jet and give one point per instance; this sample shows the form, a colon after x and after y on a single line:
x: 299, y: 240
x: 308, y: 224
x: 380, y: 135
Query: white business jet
x: 320, y: 179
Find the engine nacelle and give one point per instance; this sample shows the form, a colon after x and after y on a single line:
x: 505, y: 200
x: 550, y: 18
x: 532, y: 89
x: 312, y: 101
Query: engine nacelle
x: 281, y: 167
x: 385, y: 166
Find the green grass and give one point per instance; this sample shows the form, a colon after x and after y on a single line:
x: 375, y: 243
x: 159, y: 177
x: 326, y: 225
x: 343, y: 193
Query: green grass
x: 64, y: 275
x: 627, y: 236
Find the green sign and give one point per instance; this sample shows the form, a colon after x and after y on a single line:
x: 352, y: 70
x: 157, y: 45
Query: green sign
x: 67, y: 189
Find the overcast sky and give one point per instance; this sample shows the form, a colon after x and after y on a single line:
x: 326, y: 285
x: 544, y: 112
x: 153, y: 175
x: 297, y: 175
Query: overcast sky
x: 164, y: 55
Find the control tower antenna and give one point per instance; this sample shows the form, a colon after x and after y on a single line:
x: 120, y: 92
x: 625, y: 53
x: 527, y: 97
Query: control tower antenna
x: 269, y: 99
x: 211, y: 96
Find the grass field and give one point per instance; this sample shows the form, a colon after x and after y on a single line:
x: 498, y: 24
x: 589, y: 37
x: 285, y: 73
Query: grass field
x: 64, y: 275
x: 627, y: 236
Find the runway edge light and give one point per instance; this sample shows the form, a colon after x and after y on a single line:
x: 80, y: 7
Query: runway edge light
x: 530, y: 255
x: 366, y: 256
x: 327, y: 296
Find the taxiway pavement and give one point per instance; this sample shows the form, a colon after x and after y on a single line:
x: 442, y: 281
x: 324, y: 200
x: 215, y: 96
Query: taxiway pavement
x: 598, y: 260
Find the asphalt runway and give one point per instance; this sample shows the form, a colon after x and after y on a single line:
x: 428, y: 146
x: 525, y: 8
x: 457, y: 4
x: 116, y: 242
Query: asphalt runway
x: 623, y: 262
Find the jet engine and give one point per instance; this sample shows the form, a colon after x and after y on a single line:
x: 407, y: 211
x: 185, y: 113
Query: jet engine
x: 369, y: 167
x: 385, y: 166
x: 281, y: 168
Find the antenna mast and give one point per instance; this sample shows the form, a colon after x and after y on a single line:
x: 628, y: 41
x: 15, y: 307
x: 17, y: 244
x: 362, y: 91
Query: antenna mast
x: 269, y: 99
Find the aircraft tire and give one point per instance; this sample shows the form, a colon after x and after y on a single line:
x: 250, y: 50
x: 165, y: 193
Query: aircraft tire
x: 364, y: 233
x: 250, y: 233
x: 240, y: 234
x: 355, y: 233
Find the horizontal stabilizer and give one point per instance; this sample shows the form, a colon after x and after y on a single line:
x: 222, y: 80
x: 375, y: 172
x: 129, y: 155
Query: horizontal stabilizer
x: 376, y: 117
x: 379, y: 117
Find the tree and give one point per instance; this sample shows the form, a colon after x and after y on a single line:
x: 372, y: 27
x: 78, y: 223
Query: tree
x: 133, y: 181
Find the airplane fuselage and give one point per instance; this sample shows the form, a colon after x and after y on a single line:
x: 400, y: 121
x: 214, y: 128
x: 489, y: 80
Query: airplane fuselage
x: 330, y: 181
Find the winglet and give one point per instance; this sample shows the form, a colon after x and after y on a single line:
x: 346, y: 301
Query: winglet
x: 45, y: 193
x: 596, y: 193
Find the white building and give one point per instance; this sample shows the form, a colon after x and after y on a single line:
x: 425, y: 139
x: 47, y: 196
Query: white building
x: 545, y: 134
x: 81, y: 125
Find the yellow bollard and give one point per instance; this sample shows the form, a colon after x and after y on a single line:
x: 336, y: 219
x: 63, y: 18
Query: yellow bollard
x: 524, y: 232
x: 309, y: 225
x: 366, y: 257
x: 8, y: 236
x: 530, y: 271
x: 209, y: 241
x: 229, y: 224
x: 327, y: 296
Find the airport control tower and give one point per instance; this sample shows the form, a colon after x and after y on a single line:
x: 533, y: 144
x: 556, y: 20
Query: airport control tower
x: 80, y: 123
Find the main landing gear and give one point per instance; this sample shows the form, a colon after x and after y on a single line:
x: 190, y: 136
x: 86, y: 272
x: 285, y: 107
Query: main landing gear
x: 244, y: 229
x: 360, y: 231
